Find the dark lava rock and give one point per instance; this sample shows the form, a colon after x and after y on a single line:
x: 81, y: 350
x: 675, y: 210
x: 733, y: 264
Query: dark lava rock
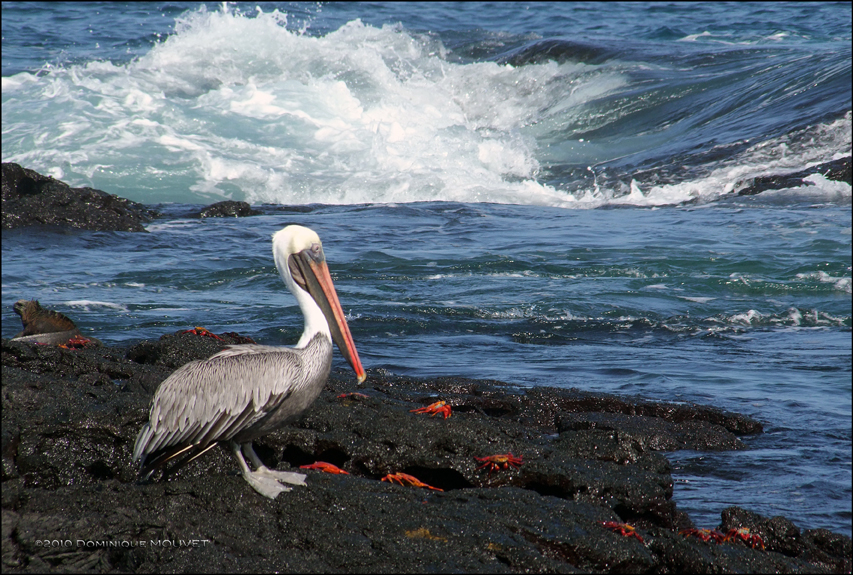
x: 837, y: 170
x: 819, y: 546
x: 30, y: 198
x: 228, y: 209
x: 71, y: 501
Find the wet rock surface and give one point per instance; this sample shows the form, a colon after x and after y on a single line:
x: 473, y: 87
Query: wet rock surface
x: 30, y: 198
x: 228, y: 209
x: 70, y: 418
x: 837, y: 170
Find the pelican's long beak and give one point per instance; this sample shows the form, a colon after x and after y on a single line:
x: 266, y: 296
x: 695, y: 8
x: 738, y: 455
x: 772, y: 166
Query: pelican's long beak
x: 311, y: 266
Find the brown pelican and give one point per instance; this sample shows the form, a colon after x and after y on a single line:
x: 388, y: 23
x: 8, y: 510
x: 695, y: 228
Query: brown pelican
x: 247, y: 391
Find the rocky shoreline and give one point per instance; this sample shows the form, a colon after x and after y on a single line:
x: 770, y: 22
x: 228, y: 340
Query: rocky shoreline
x: 33, y: 199
x: 588, y: 489
x: 71, y: 500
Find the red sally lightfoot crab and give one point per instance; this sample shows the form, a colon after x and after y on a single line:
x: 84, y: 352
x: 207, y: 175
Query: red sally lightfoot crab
x: 719, y: 538
x: 406, y: 479
x: 352, y: 395
x: 704, y: 534
x: 203, y: 332
x: 77, y: 342
x: 622, y: 529
x: 434, y: 408
x: 744, y: 535
x: 501, y: 461
x: 326, y: 467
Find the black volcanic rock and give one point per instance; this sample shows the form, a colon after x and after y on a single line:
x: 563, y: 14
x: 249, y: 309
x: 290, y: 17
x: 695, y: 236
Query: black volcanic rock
x: 71, y: 502
x: 228, y: 209
x: 29, y: 198
x: 837, y: 170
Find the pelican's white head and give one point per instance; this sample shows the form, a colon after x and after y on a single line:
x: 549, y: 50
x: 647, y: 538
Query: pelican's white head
x: 288, y: 241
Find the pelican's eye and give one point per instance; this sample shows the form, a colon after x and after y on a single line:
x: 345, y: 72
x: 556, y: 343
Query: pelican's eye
x: 315, y: 252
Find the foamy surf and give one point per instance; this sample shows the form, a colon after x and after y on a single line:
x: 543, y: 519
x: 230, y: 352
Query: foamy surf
x: 236, y: 106
x: 88, y: 305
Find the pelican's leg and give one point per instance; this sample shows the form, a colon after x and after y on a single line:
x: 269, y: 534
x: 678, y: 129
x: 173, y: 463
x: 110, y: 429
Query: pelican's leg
x: 263, y: 484
x: 285, y: 476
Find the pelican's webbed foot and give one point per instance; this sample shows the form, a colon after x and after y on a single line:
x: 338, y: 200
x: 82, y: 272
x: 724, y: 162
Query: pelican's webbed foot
x: 263, y: 470
x: 265, y: 481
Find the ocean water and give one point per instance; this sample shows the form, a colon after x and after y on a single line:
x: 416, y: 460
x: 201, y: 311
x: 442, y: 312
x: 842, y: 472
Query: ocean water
x: 544, y: 194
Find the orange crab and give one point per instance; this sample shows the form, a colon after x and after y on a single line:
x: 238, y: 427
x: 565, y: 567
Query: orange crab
x: 704, y: 534
x: 406, y: 479
x: 744, y: 535
x: 323, y: 466
x: 434, y: 408
x: 354, y: 394
x: 77, y: 342
x: 202, y: 331
x: 732, y: 535
x: 623, y: 529
x: 496, y: 462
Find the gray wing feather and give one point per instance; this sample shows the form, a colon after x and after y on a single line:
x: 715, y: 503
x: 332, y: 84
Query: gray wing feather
x: 215, y: 398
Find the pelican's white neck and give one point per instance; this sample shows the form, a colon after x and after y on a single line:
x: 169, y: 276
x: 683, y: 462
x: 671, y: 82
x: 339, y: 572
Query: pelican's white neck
x: 315, y: 320
x: 285, y: 243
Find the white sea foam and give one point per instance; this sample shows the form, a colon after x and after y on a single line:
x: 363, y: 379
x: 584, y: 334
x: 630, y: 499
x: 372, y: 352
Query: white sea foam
x: 844, y: 284
x: 697, y: 299
x: 694, y: 37
x: 172, y: 225
x: 791, y: 318
x: 88, y: 305
x: 231, y: 106
x: 747, y: 318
